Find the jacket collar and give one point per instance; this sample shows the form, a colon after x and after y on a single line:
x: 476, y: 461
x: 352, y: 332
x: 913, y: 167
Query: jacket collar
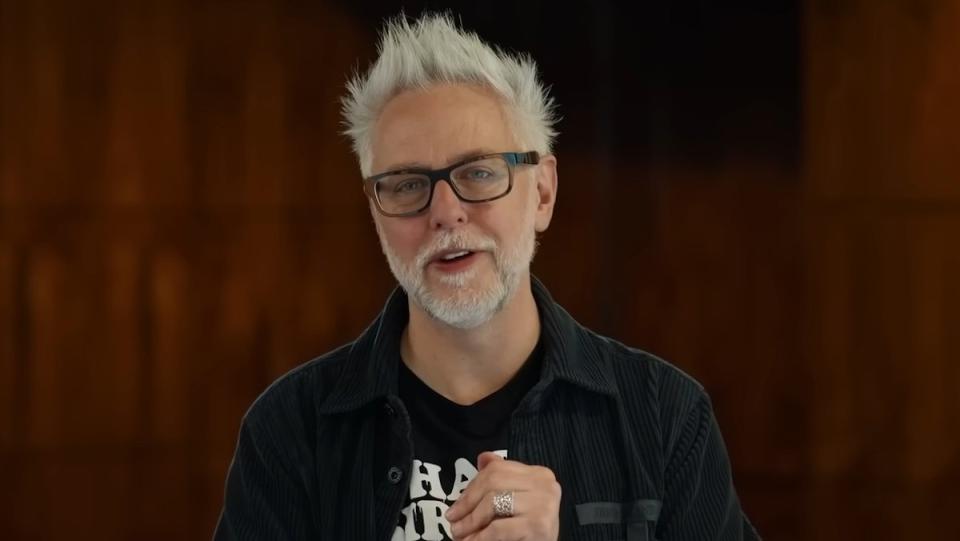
x: 370, y: 372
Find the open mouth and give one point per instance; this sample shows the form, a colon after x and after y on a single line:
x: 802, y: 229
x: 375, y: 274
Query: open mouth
x: 455, y: 256
x: 454, y: 260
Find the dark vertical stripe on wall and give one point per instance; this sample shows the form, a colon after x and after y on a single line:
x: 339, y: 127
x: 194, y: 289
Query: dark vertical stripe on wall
x: 602, y: 159
x: 21, y: 345
x: 146, y: 346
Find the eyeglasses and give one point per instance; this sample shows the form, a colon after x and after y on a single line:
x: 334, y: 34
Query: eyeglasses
x: 480, y: 179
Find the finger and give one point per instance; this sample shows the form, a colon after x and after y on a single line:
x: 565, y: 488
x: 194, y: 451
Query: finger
x: 482, y: 515
x: 505, y: 529
x: 500, y: 475
x: 487, y: 457
x: 503, y: 475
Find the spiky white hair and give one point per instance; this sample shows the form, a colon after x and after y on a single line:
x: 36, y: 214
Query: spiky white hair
x: 435, y: 50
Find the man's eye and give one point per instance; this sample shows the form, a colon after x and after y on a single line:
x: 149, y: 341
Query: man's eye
x: 409, y: 185
x: 477, y: 173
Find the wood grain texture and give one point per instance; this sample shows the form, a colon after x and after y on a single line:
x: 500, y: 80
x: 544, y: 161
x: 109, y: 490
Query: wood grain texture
x: 180, y: 224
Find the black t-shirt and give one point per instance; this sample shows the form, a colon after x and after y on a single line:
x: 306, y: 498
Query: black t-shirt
x: 447, y: 438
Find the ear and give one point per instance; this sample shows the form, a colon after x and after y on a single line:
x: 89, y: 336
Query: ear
x: 546, y: 192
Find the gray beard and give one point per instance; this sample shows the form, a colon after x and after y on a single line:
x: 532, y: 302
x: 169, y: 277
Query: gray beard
x: 466, y: 304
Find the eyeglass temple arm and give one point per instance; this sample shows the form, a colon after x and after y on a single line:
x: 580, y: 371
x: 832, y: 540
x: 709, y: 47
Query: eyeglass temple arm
x: 530, y: 158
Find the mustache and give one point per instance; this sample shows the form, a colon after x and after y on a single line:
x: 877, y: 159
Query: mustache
x: 454, y: 240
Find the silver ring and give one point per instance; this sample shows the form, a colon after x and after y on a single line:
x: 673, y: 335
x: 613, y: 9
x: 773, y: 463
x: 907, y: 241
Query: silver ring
x: 503, y: 504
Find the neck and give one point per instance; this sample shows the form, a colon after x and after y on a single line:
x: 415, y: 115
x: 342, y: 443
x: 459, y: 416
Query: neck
x: 465, y: 365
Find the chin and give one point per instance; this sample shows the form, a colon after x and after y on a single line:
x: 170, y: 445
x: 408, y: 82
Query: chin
x: 467, y: 279
x: 466, y: 306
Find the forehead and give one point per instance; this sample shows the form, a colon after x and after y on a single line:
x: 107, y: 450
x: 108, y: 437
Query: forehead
x: 436, y: 126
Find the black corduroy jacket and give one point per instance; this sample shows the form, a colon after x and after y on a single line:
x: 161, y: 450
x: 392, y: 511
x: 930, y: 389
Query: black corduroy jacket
x: 325, y: 452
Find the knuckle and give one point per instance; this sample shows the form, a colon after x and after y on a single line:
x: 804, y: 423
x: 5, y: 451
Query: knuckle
x: 556, y: 490
x: 546, y: 473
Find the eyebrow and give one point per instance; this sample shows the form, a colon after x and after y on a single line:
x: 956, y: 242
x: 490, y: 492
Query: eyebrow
x: 456, y: 159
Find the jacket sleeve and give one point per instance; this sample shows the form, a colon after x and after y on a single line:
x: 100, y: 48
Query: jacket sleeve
x: 264, y: 499
x: 700, y: 501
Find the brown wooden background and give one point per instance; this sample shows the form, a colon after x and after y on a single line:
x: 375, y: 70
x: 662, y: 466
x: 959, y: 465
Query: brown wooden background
x: 180, y: 224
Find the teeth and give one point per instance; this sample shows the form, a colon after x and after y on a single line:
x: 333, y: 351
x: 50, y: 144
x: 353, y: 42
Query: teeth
x: 454, y: 255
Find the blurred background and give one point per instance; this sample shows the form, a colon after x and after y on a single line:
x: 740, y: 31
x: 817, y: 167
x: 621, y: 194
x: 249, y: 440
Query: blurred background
x: 765, y: 193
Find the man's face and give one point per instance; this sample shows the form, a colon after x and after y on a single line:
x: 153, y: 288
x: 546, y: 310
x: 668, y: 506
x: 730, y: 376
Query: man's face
x: 432, y: 129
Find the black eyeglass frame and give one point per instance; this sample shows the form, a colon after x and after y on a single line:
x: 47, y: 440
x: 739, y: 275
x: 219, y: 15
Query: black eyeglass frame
x: 513, y: 159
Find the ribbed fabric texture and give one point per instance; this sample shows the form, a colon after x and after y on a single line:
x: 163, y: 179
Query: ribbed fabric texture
x: 325, y: 452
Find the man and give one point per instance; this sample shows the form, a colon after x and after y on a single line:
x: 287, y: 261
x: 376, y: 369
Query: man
x: 473, y: 407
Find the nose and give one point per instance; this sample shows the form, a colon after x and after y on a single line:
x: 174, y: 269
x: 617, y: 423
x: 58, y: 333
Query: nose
x: 446, y: 210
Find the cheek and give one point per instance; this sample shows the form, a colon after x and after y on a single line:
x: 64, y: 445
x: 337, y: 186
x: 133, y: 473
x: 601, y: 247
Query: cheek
x: 523, y: 211
x: 403, y: 238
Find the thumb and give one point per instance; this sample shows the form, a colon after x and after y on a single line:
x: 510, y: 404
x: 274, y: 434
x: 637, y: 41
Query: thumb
x: 485, y: 458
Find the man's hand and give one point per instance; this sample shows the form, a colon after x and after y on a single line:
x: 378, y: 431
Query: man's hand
x: 536, y: 503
